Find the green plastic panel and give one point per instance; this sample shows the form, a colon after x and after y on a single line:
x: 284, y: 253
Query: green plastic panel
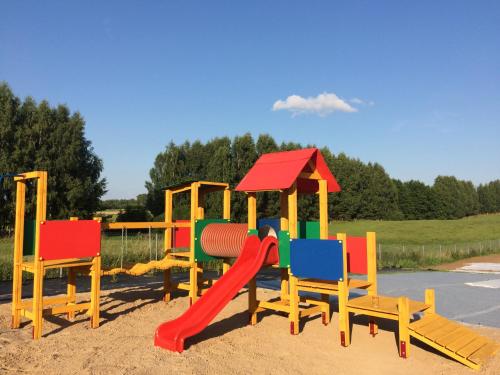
x: 29, y: 237
x: 308, y: 230
x: 284, y: 248
x: 199, y: 225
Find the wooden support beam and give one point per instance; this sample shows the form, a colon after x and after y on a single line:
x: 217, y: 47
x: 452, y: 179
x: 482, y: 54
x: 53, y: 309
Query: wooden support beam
x: 71, y: 292
x: 404, y: 321
x: 18, y: 254
x: 344, y: 325
x: 430, y: 299
x: 252, y: 211
x: 252, y: 301
x: 323, y: 209
x: 226, y: 206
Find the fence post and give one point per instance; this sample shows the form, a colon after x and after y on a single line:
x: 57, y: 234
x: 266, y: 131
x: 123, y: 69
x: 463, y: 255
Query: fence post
x: 380, y: 252
x: 440, y: 252
x: 156, y: 246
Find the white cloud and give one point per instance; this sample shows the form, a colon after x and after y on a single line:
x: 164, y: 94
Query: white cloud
x: 322, y: 105
x: 359, y: 101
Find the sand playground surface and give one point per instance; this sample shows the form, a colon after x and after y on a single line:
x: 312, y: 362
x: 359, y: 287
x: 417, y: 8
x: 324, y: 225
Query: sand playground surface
x: 131, y: 310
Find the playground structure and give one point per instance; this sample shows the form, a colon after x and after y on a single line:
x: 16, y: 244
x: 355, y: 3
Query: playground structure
x: 179, y: 234
x: 72, y: 244
x: 308, y: 258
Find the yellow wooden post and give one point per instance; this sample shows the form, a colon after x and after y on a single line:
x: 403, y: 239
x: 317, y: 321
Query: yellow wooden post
x: 323, y: 209
x: 71, y: 291
x: 41, y: 204
x: 225, y: 265
x: 284, y: 210
x: 226, y: 214
x: 323, y: 234
x: 193, y: 271
x: 95, y: 291
x: 343, y: 296
x: 292, y: 228
x: 200, y: 216
x: 371, y: 256
x: 371, y: 250
x: 430, y: 300
x: 168, y: 244
x: 292, y: 211
x: 284, y: 226
x: 227, y: 204
x: 404, y: 332
x: 252, y: 284
x: 71, y: 287
x: 18, y: 254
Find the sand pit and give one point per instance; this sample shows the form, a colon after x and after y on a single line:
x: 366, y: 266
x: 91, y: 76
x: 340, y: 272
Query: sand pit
x: 131, y: 311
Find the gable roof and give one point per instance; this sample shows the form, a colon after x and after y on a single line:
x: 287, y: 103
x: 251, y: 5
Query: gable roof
x: 279, y: 170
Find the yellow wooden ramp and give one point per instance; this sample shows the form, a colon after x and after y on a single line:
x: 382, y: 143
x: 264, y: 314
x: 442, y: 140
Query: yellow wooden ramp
x: 453, y: 339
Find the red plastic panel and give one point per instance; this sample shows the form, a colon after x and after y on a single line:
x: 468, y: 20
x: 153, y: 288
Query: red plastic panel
x: 279, y: 170
x: 70, y: 239
x: 182, y: 236
x: 357, y: 259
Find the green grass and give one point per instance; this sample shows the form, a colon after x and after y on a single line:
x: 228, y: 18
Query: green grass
x: 425, y: 243
x: 401, y: 244
x: 425, y: 232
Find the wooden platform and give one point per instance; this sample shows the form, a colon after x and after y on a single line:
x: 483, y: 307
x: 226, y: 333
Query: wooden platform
x: 382, y: 306
x: 453, y: 339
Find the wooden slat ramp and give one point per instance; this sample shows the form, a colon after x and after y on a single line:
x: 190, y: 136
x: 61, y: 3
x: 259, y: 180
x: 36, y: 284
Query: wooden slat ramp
x: 453, y: 339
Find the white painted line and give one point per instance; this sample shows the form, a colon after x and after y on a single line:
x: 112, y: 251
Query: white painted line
x: 493, y: 284
x: 480, y: 268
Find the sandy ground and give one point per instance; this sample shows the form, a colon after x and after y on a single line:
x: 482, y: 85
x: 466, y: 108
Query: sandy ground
x: 131, y: 311
x: 493, y: 258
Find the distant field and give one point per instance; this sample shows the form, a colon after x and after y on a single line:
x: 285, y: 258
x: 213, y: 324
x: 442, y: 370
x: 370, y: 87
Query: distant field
x: 425, y: 232
x: 425, y: 243
x: 400, y: 244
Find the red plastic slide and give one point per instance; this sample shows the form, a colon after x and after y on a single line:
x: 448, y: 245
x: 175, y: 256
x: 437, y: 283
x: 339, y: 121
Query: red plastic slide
x: 171, y: 335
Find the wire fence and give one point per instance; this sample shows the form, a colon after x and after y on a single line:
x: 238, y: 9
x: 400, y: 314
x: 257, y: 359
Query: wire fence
x: 415, y: 256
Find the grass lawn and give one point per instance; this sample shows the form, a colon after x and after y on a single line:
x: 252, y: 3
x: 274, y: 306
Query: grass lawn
x: 425, y: 232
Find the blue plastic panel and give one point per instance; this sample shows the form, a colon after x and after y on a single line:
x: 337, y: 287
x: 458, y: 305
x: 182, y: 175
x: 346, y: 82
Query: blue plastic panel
x: 272, y: 222
x: 319, y: 259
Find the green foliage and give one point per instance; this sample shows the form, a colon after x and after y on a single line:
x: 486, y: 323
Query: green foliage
x: 40, y: 137
x: 367, y: 190
x: 134, y: 213
x: 489, y: 197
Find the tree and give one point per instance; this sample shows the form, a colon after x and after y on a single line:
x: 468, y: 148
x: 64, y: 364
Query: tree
x: 40, y: 137
x: 416, y: 200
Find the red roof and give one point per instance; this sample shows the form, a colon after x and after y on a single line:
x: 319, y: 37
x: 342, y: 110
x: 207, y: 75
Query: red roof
x: 279, y: 170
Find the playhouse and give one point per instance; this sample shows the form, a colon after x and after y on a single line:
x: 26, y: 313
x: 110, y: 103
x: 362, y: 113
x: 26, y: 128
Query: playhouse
x: 308, y: 257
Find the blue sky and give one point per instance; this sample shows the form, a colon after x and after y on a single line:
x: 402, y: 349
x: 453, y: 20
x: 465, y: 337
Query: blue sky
x: 145, y: 73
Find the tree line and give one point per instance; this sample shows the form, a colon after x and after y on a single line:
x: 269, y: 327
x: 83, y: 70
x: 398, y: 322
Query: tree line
x: 36, y: 136
x: 368, y: 192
